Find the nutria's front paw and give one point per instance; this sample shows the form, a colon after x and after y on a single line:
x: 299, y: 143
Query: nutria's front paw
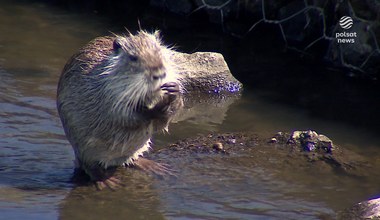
x: 164, y: 107
x: 171, y: 90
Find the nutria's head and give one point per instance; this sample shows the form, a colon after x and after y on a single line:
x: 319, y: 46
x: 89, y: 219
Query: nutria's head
x: 135, y: 71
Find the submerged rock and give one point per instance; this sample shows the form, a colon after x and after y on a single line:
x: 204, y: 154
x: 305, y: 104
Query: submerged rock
x: 311, y: 141
x: 364, y: 210
x: 318, y: 148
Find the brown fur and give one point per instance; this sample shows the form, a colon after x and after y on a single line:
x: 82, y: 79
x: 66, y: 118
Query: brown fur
x: 112, y: 98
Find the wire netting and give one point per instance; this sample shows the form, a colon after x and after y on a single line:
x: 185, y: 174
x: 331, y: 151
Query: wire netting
x: 305, y: 25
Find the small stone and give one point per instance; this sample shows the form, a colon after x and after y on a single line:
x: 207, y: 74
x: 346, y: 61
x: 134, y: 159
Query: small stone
x: 295, y: 135
x: 273, y: 140
x: 310, y: 146
x: 231, y: 141
x: 217, y: 146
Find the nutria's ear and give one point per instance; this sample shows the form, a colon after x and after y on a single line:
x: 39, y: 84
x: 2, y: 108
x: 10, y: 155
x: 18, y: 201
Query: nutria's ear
x: 157, y: 34
x: 116, y: 45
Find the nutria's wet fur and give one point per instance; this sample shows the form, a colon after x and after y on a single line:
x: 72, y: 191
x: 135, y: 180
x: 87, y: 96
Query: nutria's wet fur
x: 112, y: 96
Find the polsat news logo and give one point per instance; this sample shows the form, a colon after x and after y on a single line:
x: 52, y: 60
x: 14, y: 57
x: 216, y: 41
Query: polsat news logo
x: 344, y: 37
x: 346, y: 22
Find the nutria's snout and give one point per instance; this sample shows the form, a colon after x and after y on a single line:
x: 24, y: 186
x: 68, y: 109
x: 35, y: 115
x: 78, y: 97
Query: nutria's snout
x: 158, y: 76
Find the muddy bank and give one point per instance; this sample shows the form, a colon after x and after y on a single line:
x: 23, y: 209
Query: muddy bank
x: 300, y: 158
x: 281, y: 151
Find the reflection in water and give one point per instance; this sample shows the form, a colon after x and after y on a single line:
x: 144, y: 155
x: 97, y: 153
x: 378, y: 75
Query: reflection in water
x: 36, y: 159
x: 138, y: 199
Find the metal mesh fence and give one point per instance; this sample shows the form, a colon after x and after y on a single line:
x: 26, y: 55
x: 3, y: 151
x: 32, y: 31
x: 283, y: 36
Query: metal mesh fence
x: 304, y: 24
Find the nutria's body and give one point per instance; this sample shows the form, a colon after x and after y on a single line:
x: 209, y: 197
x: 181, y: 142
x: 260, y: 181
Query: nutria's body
x: 112, y: 96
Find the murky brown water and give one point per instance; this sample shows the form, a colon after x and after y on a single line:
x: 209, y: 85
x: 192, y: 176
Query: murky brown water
x: 36, y: 159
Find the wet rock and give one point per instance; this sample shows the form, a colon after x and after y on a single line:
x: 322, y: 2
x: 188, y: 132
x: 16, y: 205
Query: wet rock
x: 208, y: 82
x: 318, y: 148
x: 273, y: 140
x: 364, y: 210
x: 206, y: 72
x: 311, y: 141
x: 218, y: 146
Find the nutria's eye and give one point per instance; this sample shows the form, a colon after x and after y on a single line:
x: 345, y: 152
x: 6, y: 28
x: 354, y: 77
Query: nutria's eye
x: 116, y: 45
x: 133, y: 58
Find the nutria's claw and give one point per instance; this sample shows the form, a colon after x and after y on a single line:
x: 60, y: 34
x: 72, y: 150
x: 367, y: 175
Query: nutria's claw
x: 154, y: 167
x: 112, y: 183
x: 170, y: 87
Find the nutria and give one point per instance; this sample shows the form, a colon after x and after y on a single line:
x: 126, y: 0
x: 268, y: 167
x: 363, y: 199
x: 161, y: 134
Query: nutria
x: 112, y: 96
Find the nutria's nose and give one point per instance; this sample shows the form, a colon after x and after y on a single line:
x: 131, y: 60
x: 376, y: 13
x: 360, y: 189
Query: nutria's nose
x: 158, y: 76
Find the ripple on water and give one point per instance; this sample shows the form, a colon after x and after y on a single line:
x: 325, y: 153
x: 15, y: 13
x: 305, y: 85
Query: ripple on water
x: 35, y: 158
x: 35, y: 153
x: 233, y: 187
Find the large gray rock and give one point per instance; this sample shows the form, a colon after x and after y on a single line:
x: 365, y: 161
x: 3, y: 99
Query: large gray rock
x: 206, y: 72
x: 208, y: 82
